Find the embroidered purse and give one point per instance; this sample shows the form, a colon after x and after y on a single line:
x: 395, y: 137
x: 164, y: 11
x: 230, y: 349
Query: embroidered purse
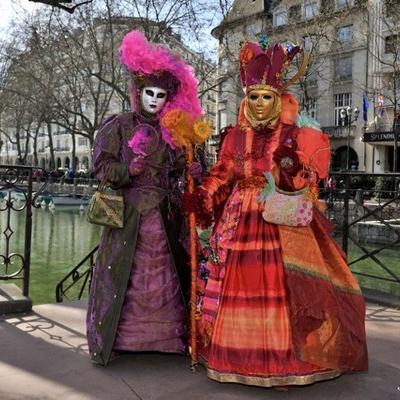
x: 285, y: 208
x: 106, y: 208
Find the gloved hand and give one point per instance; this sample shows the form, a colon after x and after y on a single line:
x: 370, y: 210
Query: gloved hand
x: 137, y: 166
x: 199, y: 202
x: 195, y: 170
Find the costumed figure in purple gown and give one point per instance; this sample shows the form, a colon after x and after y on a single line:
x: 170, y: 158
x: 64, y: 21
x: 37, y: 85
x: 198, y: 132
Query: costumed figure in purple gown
x: 140, y: 279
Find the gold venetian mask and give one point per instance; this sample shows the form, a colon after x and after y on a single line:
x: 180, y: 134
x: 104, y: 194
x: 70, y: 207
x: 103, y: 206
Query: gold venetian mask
x: 263, y: 107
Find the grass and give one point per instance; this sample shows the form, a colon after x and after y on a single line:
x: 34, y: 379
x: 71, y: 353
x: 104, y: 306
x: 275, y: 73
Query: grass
x: 389, y: 257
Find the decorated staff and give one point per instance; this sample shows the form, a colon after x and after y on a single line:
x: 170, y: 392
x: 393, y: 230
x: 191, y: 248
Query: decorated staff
x: 185, y: 134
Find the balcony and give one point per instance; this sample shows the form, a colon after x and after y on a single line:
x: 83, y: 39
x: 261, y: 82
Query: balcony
x: 339, y: 132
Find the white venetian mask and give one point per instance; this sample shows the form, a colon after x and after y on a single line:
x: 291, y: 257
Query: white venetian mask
x: 153, y: 99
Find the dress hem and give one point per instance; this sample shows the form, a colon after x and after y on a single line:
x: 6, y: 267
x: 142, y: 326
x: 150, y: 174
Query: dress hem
x: 271, y: 381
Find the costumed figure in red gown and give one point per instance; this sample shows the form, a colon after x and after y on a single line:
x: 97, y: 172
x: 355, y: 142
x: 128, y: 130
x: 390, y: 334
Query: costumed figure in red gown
x: 280, y: 305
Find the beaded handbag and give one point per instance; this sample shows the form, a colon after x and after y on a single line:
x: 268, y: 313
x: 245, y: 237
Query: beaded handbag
x: 106, y: 208
x: 285, y: 208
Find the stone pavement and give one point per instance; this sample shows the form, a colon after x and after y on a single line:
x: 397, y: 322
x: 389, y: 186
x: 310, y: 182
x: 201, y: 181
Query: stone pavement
x: 44, y: 356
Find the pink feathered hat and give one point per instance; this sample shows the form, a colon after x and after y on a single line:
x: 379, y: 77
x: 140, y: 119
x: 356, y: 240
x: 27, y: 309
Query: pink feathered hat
x: 157, y: 64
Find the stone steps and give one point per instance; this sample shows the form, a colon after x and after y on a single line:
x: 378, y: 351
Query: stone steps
x: 12, y: 301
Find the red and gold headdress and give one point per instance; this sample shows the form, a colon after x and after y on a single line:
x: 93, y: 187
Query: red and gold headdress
x: 265, y: 68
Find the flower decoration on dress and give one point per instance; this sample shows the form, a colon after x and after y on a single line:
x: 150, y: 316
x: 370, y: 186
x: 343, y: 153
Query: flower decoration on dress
x: 144, y: 140
x: 156, y: 65
x: 202, y: 131
x: 286, y: 158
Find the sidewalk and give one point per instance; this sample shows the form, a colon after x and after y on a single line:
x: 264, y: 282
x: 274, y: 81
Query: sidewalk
x: 43, y: 356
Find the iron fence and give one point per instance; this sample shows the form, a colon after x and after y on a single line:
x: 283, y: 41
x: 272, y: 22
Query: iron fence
x: 365, y: 209
x: 16, y: 196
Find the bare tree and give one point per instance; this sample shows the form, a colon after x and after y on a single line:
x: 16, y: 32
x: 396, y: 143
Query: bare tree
x: 72, y: 62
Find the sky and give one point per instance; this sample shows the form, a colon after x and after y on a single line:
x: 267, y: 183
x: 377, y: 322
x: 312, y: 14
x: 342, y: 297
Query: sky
x: 9, y: 9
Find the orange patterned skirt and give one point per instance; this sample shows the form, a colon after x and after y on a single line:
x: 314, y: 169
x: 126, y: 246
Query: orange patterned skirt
x: 271, y: 325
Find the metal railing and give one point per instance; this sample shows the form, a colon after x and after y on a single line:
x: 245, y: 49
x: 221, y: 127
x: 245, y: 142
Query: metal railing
x: 79, y: 275
x: 339, y: 132
x: 355, y: 202
x: 16, y: 196
x: 367, y: 223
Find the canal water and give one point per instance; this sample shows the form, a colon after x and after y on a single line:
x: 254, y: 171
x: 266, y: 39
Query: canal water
x: 60, y: 239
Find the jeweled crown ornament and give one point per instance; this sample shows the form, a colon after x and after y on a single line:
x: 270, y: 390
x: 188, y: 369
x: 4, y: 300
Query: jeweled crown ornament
x: 264, y: 67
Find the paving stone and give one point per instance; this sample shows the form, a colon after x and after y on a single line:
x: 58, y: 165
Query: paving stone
x: 44, y: 356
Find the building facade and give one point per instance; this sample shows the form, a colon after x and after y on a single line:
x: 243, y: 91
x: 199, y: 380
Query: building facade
x: 350, y: 86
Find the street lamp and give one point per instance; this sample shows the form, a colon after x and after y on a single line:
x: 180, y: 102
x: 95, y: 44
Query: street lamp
x: 348, y: 116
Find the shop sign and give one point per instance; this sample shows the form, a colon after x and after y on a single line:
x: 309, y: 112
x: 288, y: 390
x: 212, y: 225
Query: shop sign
x: 379, y: 136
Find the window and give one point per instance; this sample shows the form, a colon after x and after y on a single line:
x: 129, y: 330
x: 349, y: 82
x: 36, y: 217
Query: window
x: 342, y: 100
x: 312, y: 107
x: 392, y: 44
x: 222, y: 119
x: 343, y: 68
x: 126, y: 105
x: 345, y: 34
x: 312, y: 75
x: 224, y: 66
x: 295, y: 12
x: 310, y: 10
x: 82, y: 141
x: 224, y: 88
x: 343, y: 3
x: 307, y: 43
x: 280, y: 18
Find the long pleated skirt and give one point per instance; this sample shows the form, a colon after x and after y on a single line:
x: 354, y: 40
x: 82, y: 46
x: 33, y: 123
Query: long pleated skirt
x: 152, y: 317
x: 260, y: 303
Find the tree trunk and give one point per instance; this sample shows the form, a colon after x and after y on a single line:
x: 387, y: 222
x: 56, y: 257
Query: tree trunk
x: 52, y: 162
x: 74, y: 166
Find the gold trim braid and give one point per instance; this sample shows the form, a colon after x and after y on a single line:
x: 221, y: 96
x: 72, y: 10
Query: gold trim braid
x: 273, y: 380
x: 262, y: 86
